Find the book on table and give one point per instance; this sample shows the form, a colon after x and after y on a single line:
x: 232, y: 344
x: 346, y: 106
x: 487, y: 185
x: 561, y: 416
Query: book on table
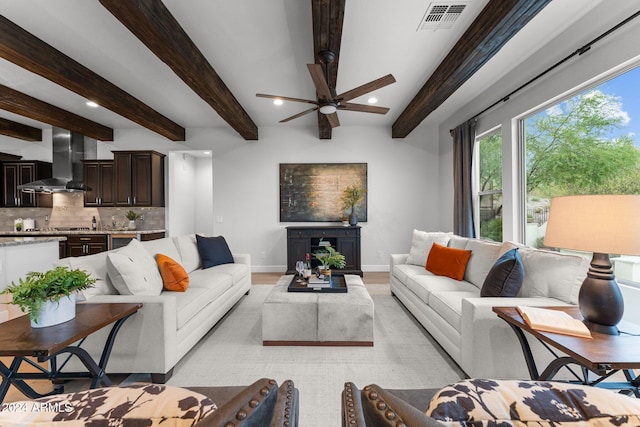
x: 556, y: 321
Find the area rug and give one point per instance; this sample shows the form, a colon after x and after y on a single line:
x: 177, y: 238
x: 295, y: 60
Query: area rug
x: 403, y: 356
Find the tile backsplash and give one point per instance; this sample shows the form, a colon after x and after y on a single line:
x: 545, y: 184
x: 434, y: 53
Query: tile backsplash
x: 69, y: 211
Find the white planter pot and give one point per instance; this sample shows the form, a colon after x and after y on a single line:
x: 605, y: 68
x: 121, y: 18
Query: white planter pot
x: 53, y: 313
x: 132, y: 224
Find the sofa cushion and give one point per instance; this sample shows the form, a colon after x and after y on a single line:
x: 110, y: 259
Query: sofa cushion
x: 510, y: 402
x: 483, y: 255
x: 448, y: 305
x: 402, y: 271
x: 213, y: 251
x: 423, y: 285
x: 133, y: 271
x: 458, y: 242
x: 421, y: 243
x: 505, y: 277
x: 174, y: 277
x: 102, y: 285
x: 236, y: 271
x: 208, y: 278
x: 195, y: 298
x: 165, y: 246
x: 136, y: 404
x: 188, y: 249
x: 552, y: 274
x: 450, y: 262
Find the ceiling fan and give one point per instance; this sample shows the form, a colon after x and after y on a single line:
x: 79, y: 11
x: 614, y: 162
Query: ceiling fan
x: 328, y: 102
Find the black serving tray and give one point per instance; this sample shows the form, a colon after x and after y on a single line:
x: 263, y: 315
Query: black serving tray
x: 338, y: 285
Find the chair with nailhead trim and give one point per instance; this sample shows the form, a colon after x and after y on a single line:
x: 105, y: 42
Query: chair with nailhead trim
x: 262, y: 403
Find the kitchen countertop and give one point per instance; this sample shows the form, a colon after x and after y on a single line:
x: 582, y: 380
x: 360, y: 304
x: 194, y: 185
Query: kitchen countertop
x: 68, y: 232
x: 17, y: 241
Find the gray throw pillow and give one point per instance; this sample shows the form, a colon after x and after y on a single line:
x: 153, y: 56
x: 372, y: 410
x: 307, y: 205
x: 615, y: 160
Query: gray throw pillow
x: 505, y: 277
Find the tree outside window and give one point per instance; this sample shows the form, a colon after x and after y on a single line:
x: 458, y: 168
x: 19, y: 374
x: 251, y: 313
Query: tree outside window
x: 490, y: 186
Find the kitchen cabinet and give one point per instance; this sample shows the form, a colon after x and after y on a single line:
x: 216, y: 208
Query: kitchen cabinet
x: 86, y: 244
x: 100, y: 178
x: 22, y: 172
x: 306, y: 240
x: 139, y: 178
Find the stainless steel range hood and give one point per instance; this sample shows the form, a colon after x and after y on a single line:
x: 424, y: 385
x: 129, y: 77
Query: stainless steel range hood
x: 69, y: 149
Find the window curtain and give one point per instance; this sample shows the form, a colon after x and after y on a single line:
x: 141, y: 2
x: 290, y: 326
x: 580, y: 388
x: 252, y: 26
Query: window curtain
x: 464, y: 137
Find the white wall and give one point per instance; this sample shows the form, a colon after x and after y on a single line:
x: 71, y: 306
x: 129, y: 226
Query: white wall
x: 402, y: 184
x: 615, y: 51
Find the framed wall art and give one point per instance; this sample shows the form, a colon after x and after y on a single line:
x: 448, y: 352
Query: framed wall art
x: 311, y: 192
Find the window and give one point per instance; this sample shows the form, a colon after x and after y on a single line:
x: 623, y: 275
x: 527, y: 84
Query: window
x: 587, y: 144
x: 489, y: 213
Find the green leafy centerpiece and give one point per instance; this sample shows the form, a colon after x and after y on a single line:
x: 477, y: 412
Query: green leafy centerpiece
x: 49, y: 297
x: 329, y: 257
x: 132, y: 216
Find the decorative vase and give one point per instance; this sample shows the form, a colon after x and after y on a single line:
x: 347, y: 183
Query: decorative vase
x: 132, y: 224
x: 326, y: 274
x: 56, y: 312
x: 353, y: 218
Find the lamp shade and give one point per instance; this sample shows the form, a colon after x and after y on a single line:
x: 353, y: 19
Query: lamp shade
x: 608, y: 224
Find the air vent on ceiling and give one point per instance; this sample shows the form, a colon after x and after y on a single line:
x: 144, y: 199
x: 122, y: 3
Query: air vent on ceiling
x: 442, y: 15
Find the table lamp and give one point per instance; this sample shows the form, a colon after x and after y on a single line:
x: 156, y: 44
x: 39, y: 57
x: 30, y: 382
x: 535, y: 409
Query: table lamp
x: 602, y: 224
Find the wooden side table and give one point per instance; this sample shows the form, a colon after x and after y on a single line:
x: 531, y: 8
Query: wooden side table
x: 19, y: 340
x: 602, y: 355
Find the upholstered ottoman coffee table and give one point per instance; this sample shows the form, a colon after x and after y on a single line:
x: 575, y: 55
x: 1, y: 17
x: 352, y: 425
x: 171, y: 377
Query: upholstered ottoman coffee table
x: 310, y: 318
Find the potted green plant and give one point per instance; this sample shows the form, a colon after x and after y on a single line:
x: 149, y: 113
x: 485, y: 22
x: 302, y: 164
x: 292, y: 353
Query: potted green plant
x: 351, y: 196
x: 132, y: 216
x: 49, y: 297
x: 329, y: 257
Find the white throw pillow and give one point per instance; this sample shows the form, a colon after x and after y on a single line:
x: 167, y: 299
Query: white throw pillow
x: 133, y: 271
x: 421, y: 244
x: 188, y: 248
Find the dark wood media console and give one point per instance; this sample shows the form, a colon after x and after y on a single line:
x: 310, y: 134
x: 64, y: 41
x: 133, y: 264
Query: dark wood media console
x: 302, y: 240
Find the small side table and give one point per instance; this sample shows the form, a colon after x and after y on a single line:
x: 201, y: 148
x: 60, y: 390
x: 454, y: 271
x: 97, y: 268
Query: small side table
x: 19, y: 340
x: 603, y: 355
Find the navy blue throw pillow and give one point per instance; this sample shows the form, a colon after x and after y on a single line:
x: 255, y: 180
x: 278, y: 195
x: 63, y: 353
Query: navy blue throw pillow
x: 213, y: 251
x: 505, y: 277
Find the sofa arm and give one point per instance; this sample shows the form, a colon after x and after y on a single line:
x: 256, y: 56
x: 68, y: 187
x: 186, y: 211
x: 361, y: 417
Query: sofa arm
x: 260, y: 404
x: 148, y: 338
x: 242, y: 259
x: 396, y: 259
x: 376, y: 407
x: 489, y: 348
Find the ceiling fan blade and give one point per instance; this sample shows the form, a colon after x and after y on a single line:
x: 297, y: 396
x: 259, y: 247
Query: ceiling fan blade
x: 366, y: 88
x: 333, y: 120
x: 349, y: 106
x: 286, y: 98
x: 298, y: 115
x: 319, y: 80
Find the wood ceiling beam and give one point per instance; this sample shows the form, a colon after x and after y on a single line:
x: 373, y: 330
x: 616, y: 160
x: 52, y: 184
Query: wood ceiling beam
x: 152, y: 23
x: 328, y: 17
x: 31, y: 53
x: 492, y: 29
x: 20, y: 131
x: 28, y: 106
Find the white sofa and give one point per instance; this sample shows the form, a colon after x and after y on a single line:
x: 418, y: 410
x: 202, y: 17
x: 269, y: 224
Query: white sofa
x: 169, y: 324
x: 463, y: 322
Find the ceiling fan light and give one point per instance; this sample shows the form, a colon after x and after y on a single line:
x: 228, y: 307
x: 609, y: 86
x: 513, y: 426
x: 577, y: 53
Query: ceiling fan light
x: 328, y: 109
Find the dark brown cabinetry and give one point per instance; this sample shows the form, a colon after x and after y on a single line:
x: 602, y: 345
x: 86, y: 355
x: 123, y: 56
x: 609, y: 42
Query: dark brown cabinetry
x: 86, y: 244
x: 139, y: 178
x: 306, y: 240
x: 99, y: 177
x: 22, y: 172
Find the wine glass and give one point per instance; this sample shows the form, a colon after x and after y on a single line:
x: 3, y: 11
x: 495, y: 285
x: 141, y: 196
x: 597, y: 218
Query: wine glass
x: 299, y: 269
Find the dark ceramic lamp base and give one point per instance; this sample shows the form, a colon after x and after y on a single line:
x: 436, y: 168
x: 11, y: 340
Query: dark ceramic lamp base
x: 600, y: 299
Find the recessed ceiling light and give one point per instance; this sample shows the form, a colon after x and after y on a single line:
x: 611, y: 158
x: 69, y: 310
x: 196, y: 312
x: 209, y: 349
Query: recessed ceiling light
x: 372, y: 100
x: 92, y: 104
x: 206, y: 153
x: 277, y: 101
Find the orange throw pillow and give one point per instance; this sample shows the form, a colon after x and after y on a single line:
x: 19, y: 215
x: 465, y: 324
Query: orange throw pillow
x: 445, y: 261
x: 174, y: 276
